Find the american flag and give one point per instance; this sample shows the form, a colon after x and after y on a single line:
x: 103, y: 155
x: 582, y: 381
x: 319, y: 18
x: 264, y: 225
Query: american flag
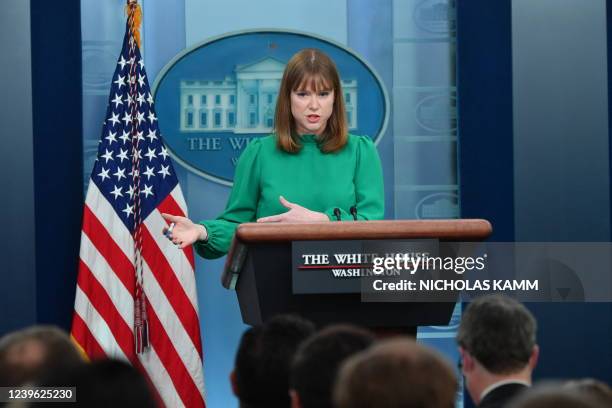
x: 125, y: 261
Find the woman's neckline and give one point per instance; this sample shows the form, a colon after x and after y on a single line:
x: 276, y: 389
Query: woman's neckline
x: 308, y: 138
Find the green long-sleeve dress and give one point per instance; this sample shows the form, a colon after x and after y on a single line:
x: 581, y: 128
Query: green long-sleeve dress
x: 313, y: 179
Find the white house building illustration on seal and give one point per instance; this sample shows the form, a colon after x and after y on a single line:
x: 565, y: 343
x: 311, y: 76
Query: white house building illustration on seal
x: 244, y: 103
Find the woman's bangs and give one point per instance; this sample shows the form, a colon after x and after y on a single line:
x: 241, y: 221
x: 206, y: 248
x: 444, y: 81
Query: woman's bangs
x: 314, y: 82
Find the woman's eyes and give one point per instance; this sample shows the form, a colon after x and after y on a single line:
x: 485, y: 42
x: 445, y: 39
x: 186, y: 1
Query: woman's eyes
x: 320, y: 94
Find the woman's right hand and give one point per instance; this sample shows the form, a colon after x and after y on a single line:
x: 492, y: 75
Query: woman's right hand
x: 184, y: 232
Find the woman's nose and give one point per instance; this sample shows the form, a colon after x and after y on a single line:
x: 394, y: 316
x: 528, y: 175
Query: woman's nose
x: 314, y: 102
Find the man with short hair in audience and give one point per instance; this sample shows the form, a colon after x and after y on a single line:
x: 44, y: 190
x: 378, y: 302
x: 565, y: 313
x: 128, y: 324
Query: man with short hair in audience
x: 497, y: 343
x: 261, y: 372
x: 316, y: 363
x: 396, y: 373
x: 34, y: 352
x: 557, y: 396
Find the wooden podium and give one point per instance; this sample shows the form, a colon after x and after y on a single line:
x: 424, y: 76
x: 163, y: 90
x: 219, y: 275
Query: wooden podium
x: 259, y: 266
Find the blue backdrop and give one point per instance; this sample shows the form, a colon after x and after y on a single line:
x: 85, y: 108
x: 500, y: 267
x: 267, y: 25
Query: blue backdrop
x: 509, y: 177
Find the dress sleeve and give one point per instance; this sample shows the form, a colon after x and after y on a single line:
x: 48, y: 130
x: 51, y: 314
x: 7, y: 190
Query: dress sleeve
x: 369, y: 187
x: 241, y: 205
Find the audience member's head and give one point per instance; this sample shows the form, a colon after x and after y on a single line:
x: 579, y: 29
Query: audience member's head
x: 317, y: 361
x: 497, y: 342
x: 104, y: 383
x: 396, y: 373
x: 29, y: 354
x: 556, y: 396
x: 262, y: 368
x: 594, y: 389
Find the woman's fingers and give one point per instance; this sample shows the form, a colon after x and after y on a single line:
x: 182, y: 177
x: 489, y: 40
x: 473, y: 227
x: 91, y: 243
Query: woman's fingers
x: 168, y: 230
x: 171, y: 218
x: 179, y: 229
x: 287, y: 204
x: 272, y: 218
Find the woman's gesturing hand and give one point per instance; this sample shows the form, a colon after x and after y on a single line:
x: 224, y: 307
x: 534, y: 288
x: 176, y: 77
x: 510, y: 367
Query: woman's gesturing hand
x: 296, y: 213
x: 182, y: 231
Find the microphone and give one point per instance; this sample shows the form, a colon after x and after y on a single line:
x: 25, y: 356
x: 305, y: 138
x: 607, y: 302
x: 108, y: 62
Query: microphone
x: 353, y: 211
x: 337, y: 213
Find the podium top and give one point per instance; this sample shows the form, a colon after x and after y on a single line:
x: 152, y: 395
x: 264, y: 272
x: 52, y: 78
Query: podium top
x: 263, y: 233
x: 445, y: 230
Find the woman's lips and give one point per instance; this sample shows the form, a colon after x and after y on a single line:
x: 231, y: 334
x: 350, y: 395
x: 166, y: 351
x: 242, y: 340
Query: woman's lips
x: 313, y: 118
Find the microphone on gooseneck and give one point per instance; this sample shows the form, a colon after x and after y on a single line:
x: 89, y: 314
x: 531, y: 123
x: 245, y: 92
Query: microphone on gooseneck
x: 353, y: 211
x: 337, y: 213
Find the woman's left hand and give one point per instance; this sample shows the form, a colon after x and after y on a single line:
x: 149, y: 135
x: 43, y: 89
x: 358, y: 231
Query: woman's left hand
x: 296, y: 213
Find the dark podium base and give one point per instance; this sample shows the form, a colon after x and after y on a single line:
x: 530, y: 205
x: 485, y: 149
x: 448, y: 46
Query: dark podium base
x: 268, y: 292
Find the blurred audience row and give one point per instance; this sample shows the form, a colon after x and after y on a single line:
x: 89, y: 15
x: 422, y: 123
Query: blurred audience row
x: 288, y: 363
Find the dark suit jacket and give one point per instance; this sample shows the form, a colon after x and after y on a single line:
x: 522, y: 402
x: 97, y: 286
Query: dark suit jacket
x: 500, y: 396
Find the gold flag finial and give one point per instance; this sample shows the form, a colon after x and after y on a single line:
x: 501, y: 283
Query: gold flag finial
x: 134, y: 13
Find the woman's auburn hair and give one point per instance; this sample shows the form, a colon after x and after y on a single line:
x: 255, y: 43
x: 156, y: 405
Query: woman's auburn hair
x: 310, y: 68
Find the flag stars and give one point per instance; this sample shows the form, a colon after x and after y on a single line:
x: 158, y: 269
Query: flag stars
x: 140, y: 117
x: 122, y: 155
x: 126, y: 118
x: 152, y: 117
x: 149, y: 173
x: 150, y: 154
x: 165, y: 171
x: 141, y: 99
x: 125, y: 136
x: 104, y: 174
x: 117, y: 100
x: 129, y: 99
x: 141, y: 63
x: 108, y: 155
x: 111, y: 137
x: 152, y: 135
x: 114, y: 118
x: 150, y: 99
x: 163, y: 152
x: 120, y: 81
x: 122, y: 62
x: 139, y: 136
x: 117, y: 192
x: 147, y: 191
x: 130, y: 191
x: 141, y: 79
x: 119, y: 173
x: 128, y: 210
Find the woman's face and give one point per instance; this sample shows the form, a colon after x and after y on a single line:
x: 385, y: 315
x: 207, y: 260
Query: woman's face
x: 311, y: 110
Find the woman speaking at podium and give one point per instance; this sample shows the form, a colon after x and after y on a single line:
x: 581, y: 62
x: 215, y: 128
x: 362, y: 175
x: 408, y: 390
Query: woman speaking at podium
x: 309, y: 170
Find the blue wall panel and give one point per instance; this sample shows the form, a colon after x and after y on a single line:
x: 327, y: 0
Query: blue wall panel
x: 484, y: 77
x: 58, y: 152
